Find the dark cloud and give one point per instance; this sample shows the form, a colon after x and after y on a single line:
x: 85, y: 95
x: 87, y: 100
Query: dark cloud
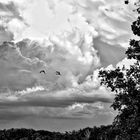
x: 79, y: 111
x: 10, y: 115
x: 10, y: 9
x: 55, y: 101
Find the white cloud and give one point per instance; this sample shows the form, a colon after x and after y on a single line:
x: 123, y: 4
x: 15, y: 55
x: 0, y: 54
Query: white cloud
x: 11, y: 21
x: 15, y: 69
x: 74, y: 38
x: 126, y: 62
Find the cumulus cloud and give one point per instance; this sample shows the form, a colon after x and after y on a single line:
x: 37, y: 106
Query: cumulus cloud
x: 9, y: 10
x: 74, y: 60
x: 108, y: 22
x: 74, y: 38
x: 23, y: 85
x: 11, y: 21
x: 15, y: 70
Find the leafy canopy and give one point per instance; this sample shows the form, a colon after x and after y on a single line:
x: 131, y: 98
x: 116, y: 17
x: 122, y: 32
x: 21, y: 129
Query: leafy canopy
x: 125, y: 82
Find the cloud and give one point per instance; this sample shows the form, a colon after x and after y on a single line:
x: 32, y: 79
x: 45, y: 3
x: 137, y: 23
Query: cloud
x: 83, y: 101
x: 75, y: 59
x: 9, y: 10
x: 126, y: 62
x: 24, y: 86
x: 84, y: 15
x: 109, y: 54
x: 64, y: 98
x: 76, y: 111
x: 72, y: 37
x: 87, y: 17
x: 5, y: 35
x: 88, y: 100
x: 11, y: 21
x: 14, y: 114
x: 76, y: 103
x: 15, y: 70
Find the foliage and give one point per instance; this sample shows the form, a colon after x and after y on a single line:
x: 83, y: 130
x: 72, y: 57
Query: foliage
x: 95, y: 133
x: 125, y: 82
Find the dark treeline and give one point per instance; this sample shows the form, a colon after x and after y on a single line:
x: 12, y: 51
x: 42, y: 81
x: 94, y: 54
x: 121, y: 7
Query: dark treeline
x: 95, y: 133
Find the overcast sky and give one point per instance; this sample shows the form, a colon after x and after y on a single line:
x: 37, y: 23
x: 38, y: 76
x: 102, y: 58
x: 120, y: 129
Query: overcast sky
x: 73, y: 37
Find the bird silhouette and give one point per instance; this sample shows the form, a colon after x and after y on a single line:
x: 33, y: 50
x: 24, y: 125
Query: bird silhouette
x: 42, y: 71
x: 58, y: 73
x: 126, y: 1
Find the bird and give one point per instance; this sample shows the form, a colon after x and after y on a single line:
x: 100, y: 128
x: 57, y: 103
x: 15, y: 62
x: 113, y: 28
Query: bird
x: 42, y: 71
x: 126, y: 1
x: 58, y: 73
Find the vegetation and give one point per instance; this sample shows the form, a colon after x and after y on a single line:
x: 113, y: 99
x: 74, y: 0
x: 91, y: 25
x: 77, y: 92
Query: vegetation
x: 95, y: 133
x: 126, y: 83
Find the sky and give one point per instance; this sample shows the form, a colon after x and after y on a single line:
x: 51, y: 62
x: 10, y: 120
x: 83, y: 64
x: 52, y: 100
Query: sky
x: 74, y: 37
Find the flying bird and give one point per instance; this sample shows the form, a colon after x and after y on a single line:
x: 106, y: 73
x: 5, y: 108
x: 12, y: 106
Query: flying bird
x: 42, y: 71
x: 126, y: 1
x: 58, y: 73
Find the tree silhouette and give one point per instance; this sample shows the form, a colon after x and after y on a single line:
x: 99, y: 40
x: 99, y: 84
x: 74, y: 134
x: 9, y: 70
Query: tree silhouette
x: 126, y: 83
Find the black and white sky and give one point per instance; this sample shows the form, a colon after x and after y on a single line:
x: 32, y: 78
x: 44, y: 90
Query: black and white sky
x: 76, y: 38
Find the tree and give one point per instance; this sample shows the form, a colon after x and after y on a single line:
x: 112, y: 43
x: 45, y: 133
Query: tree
x: 126, y: 83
